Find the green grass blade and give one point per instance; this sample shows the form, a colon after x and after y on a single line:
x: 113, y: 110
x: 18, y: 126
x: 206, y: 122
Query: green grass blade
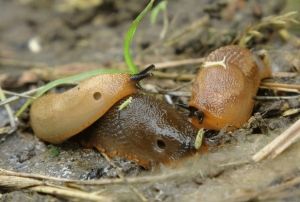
x: 70, y: 79
x: 162, y: 6
x: 129, y: 37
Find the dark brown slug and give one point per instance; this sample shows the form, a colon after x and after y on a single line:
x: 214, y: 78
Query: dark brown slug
x: 147, y: 131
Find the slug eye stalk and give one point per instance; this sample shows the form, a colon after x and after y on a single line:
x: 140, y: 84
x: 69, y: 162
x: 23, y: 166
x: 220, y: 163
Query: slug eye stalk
x: 198, y: 114
x: 193, y: 112
x: 143, y: 74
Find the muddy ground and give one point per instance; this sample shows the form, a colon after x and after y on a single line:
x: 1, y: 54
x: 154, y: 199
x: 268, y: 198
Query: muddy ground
x: 93, y: 36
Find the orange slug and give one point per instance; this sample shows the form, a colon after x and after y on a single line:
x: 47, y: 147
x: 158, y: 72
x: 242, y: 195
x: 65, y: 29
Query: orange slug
x: 58, y: 116
x: 223, y: 91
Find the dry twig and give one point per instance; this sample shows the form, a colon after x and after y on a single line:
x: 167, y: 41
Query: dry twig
x: 279, y: 144
x: 281, y: 85
x: 17, y: 94
x: 131, y: 180
x: 280, y: 89
x: 12, y: 120
x: 277, y: 97
x: 285, y: 74
x: 279, y: 22
x: 174, y: 75
x: 291, y: 112
x: 17, y: 183
x: 16, y: 97
x: 10, y: 62
x: 178, y: 63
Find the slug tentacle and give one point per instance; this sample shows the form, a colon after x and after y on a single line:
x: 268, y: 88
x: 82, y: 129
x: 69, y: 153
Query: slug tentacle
x: 143, y: 74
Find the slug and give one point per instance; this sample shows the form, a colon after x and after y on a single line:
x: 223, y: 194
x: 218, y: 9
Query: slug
x: 223, y: 91
x: 57, y: 117
x: 145, y: 130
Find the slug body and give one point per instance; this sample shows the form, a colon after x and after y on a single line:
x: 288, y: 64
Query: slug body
x: 224, y: 88
x: 57, y: 117
x: 147, y: 131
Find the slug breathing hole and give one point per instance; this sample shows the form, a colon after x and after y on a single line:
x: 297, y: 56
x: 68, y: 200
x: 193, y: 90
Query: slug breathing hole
x: 160, y: 144
x: 97, y: 95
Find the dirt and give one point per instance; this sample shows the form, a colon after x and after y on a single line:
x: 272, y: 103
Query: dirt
x: 95, y: 35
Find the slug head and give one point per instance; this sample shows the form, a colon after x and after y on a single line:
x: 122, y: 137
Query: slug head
x: 147, y: 131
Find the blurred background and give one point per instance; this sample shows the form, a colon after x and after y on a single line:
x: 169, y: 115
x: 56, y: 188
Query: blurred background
x: 52, y: 32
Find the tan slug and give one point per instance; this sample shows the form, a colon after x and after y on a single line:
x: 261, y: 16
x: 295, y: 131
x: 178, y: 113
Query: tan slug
x: 222, y: 94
